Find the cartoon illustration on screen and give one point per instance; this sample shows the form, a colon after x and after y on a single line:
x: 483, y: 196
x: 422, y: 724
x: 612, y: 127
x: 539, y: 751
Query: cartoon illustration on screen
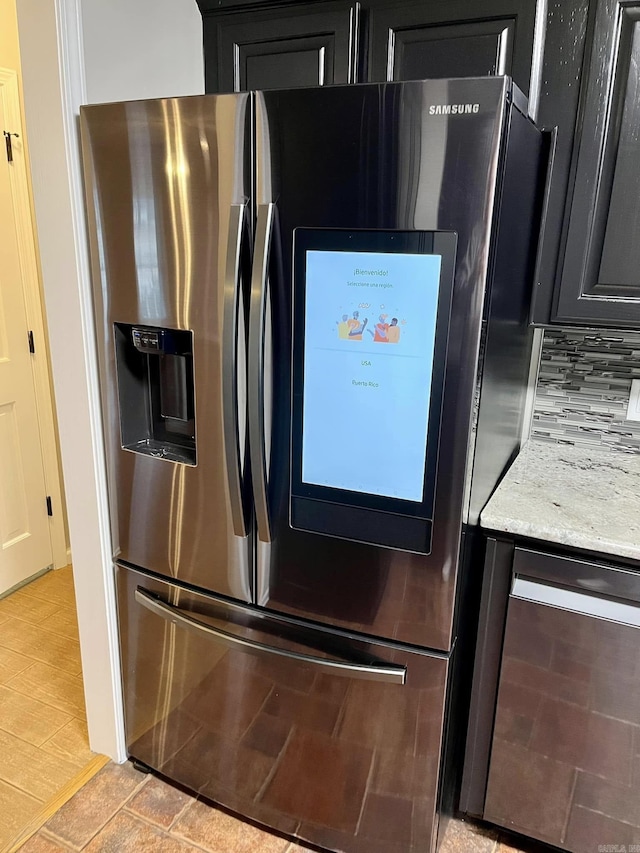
x: 353, y: 329
x: 379, y: 334
x: 343, y: 327
x: 393, y: 332
x: 356, y: 327
x: 386, y: 333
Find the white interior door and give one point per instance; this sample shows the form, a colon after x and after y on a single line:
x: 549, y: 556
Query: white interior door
x: 25, y: 541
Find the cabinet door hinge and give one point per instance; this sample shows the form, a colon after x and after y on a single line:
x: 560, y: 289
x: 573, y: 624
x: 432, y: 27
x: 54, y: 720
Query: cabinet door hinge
x: 32, y: 346
x: 7, y: 141
x: 49, y: 507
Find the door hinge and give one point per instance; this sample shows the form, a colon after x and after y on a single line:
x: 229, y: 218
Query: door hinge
x: 32, y: 346
x: 49, y: 507
x: 7, y: 141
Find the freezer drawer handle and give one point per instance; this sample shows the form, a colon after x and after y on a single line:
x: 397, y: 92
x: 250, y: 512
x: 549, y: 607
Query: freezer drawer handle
x: 257, y: 317
x: 388, y: 673
x: 230, y: 400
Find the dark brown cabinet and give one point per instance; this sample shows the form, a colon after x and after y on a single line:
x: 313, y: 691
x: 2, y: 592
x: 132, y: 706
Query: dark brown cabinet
x: 561, y: 745
x: 417, y: 40
x: 589, y: 271
x: 600, y: 276
x: 315, y: 44
x: 568, y: 26
x: 259, y: 46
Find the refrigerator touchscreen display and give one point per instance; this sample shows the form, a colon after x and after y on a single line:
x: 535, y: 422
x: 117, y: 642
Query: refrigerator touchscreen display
x: 369, y: 336
x: 370, y: 330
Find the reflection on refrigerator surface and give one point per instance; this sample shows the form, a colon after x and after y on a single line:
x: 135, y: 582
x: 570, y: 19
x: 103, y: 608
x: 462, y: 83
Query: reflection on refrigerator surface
x: 345, y: 763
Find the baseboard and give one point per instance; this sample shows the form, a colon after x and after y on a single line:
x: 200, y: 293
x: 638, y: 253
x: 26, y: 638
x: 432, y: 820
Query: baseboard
x: 66, y: 560
x: 25, y: 582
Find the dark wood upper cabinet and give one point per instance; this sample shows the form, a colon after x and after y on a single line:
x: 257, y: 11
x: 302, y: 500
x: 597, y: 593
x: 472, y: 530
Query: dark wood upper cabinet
x: 417, y: 40
x: 317, y: 43
x: 600, y: 274
x: 309, y: 45
x: 567, y: 30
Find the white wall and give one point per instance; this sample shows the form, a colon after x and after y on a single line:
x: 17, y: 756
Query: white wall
x: 55, y: 67
x: 141, y: 49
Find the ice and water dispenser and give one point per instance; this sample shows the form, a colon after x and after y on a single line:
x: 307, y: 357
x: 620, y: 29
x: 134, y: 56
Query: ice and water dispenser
x: 155, y: 391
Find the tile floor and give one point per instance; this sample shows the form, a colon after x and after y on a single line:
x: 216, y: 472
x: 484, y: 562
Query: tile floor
x: 43, y: 733
x: 123, y: 811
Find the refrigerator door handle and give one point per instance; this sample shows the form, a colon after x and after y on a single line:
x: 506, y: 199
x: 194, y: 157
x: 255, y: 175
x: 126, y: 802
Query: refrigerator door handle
x: 256, y: 379
x: 387, y: 673
x: 230, y: 400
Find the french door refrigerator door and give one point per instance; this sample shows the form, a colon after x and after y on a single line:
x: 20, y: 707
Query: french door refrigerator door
x: 386, y: 156
x: 316, y: 734
x: 167, y: 187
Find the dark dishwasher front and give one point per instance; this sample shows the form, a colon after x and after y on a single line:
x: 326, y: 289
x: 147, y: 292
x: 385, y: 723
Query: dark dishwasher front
x: 564, y: 757
x: 331, y: 739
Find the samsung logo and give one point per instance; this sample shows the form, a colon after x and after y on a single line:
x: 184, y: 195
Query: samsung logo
x: 453, y: 109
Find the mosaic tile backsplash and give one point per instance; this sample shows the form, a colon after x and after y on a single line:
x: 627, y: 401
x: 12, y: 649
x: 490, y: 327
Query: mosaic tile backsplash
x: 583, y: 389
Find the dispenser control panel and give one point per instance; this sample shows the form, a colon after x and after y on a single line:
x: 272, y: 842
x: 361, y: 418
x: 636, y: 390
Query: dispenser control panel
x: 146, y: 340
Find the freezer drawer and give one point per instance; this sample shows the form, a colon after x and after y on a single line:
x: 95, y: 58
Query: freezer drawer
x: 319, y: 735
x: 565, y: 754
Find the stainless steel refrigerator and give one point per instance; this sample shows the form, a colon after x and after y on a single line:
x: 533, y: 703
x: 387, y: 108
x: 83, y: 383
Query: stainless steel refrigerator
x: 311, y: 314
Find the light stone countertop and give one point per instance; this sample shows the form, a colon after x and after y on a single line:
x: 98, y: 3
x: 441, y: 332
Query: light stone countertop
x: 585, y: 498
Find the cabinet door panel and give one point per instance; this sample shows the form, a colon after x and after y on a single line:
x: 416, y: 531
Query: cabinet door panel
x: 458, y: 50
x: 565, y: 40
x: 415, y: 40
x: 620, y: 263
x: 272, y: 66
x: 601, y: 272
x: 281, y: 48
x: 563, y: 766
